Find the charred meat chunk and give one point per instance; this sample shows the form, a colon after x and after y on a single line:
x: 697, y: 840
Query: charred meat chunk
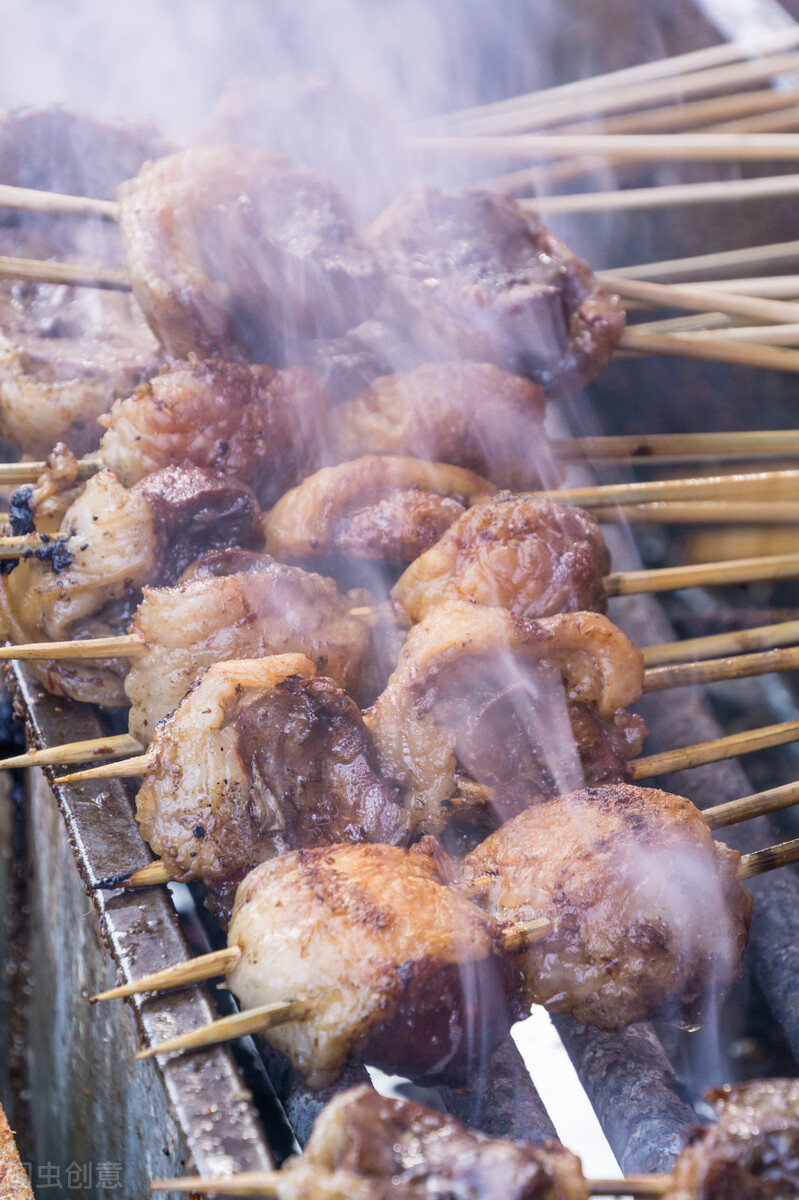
x: 474, y: 275
x: 238, y: 253
x: 532, y: 556
x: 253, y: 422
x: 473, y: 415
x: 621, y: 872
x: 398, y: 969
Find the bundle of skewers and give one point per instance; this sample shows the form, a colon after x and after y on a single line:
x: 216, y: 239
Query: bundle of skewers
x: 309, y: 529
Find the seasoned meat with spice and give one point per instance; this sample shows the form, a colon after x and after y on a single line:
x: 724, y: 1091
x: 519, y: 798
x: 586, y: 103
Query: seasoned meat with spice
x: 258, y: 758
x: 470, y: 414
x: 473, y: 275
x: 236, y: 252
x: 389, y: 508
x: 533, y: 557
x: 253, y: 422
x: 113, y: 541
x: 524, y: 708
x: 752, y: 1150
x: 269, y: 608
x: 398, y: 970
x: 648, y: 916
x: 395, y: 1149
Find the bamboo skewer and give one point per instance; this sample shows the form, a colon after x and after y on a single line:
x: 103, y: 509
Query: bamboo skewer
x: 227, y: 1029
x: 29, y: 472
x: 758, y: 805
x: 34, y: 200
x: 769, y: 358
x: 705, y: 512
x: 726, y: 191
x: 701, y: 299
x: 670, y: 579
x: 668, y: 448
x: 126, y: 645
x: 661, y: 68
x: 153, y: 874
x: 770, y: 859
x: 783, y: 633
x: 266, y: 1183
x: 74, y: 274
x: 773, y: 253
x: 741, y: 666
x: 738, y: 485
x: 620, y: 99
x: 702, y: 753
x: 626, y: 147
x: 75, y: 752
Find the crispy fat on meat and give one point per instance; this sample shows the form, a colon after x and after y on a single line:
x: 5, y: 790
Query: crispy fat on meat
x: 258, y: 758
x: 752, y: 1150
x: 469, y: 414
x: 532, y: 556
x: 250, y: 421
x: 398, y: 970
x: 385, y: 508
x: 648, y: 917
x: 474, y: 691
x: 237, y: 252
x: 112, y: 542
x: 473, y: 275
x: 399, y: 1150
x: 268, y: 609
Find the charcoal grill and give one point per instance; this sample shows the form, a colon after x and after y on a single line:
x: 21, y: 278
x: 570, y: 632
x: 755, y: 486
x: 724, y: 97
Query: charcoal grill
x: 224, y: 1109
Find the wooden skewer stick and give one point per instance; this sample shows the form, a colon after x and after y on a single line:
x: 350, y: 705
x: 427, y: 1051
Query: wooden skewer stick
x: 660, y: 68
x: 266, y: 1183
x: 661, y: 448
x: 738, y: 486
x: 29, y: 472
x: 126, y: 645
x: 226, y: 1029
x: 18, y: 545
x: 122, y: 744
x: 745, y: 354
x: 671, y: 579
x: 726, y: 191
x: 762, y: 637
x: 619, y: 99
x: 627, y: 147
x: 695, y: 299
x: 153, y: 874
x: 771, y: 254
x: 179, y: 975
x: 750, y: 335
x: 705, y: 512
x: 760, y: 861
x: 740, y: 666
x: 702, y: 753
x: 128, y: 769
x: 758, y: 805
x: 33, y: 200
x: 630, y: 1185
x: 37, y: 270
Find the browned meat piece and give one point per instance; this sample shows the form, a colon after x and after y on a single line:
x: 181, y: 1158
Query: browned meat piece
x: 509, y: 702
x: 14, y: 1183
x: 65, y: 353
x: 622, y: 873
x: 385, y: 508
x: 253, y: 422
x: 399, y: 970
x: 471, y: 414
x: 398, y: 1150
x: 750, y: 1153
x: 317, y: 119
x: 258, y: 758
x: 350, y: 363
x: 475, y: 276
x: 236, y: 252
x: 112, y: 542
x: 42, y: 506
x: 533, y: 557
x: 267, y: 609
